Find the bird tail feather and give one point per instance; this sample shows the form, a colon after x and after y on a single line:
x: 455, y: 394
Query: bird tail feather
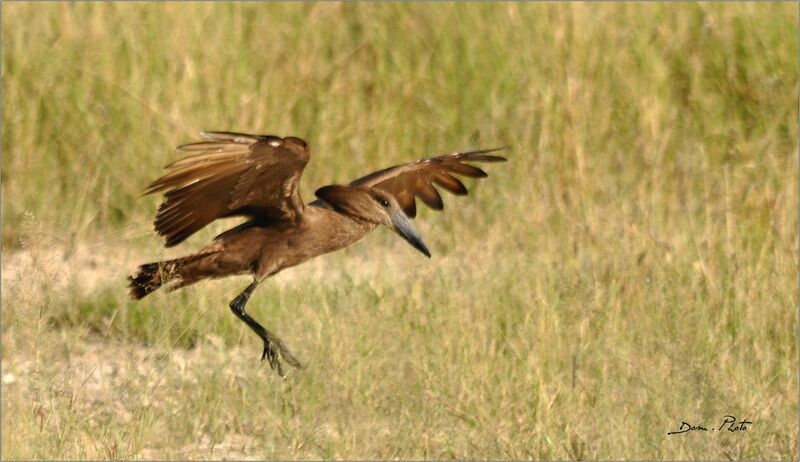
x: 151, y: 276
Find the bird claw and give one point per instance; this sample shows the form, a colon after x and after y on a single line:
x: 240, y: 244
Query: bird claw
x: 273, y: 350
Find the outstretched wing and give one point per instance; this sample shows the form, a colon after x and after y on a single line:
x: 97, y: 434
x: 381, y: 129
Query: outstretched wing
x: 231, y: 174
x: 417, y: 179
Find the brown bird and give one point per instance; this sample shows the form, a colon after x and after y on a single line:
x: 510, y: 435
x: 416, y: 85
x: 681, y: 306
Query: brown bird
x: 257, y: 176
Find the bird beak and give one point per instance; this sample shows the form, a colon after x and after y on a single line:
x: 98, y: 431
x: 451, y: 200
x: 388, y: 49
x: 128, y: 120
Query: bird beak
x: 402, y: 226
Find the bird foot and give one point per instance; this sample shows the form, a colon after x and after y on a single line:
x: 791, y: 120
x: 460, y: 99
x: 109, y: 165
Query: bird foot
x: 274, y: 349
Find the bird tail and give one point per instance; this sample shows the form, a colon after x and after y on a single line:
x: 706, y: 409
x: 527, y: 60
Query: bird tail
x: 151, y: 276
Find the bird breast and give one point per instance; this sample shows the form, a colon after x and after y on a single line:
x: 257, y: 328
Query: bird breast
x: 319, y: 233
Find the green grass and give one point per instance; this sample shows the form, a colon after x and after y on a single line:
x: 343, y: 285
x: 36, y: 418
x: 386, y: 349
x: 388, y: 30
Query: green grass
x: 633, y: 266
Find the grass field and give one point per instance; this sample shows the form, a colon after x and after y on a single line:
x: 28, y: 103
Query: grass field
x: 633, y: 266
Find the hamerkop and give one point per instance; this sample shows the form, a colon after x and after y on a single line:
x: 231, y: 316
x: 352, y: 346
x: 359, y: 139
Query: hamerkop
x: 257, y: 176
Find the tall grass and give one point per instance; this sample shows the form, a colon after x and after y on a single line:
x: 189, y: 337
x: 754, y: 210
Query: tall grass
x: 633, y: 265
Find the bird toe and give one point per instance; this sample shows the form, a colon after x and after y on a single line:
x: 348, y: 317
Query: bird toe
x: 271, y: 355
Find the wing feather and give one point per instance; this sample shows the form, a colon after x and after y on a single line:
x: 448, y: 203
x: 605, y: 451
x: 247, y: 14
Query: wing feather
x: 450, y: 183
x: 428, y: 194
x: 206, y: 146
x: 232, y: 174
x: 417, y: 179
x: 467, y: 170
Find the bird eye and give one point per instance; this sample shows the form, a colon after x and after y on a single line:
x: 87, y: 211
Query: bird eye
x: 384, y: 203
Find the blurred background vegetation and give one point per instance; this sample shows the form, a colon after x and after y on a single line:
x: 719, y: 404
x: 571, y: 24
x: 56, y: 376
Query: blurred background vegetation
x: 633, y: 266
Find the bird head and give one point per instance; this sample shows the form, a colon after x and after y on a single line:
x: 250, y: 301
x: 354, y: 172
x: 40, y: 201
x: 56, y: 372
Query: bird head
x: 375, y: 206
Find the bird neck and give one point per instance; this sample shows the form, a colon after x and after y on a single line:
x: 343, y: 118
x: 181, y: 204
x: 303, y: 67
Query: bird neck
x: 336, y: 230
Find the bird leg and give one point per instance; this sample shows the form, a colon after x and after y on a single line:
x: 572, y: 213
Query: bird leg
x: 272, y: 344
